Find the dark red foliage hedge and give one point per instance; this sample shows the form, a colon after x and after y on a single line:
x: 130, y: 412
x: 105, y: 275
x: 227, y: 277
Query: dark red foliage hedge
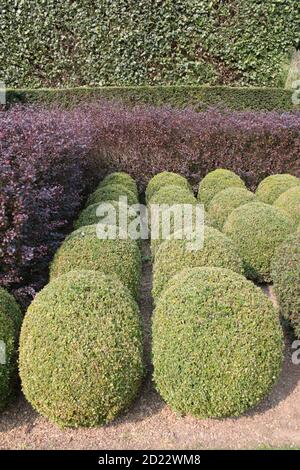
x: 50, y: 160
x: 144, y: 141
x: 45, y: 163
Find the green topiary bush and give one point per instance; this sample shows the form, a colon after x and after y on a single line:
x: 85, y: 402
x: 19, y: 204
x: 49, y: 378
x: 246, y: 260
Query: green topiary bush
x: 112, y: 192
x: 165, y: 178
x: 85, y: 251
x: 285, y: 270
x: 171, y: 195
x: 81, y: 350
x: 257, y: 229
x: 10, y: 323
x: 174, y: 255
x: 89, y: 215
x: 217, y: 343
x: 273, y: 186
x: 121, y: 178
x: 225, y: 202
x: 216, y: 181
x: 289, y: 202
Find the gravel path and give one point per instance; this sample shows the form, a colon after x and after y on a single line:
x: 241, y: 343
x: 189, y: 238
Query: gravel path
x: 150, y: 424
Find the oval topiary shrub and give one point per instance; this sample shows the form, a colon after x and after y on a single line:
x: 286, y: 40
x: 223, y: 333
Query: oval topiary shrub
x: 173, y: 256
x: 112, y: 192
x: 85, y: 251
x: 165, y: 178
x: 216, y: 181
x: 88, y: 216
x: 257, y: 229
x: 10, y: 323
x: 81, y: 350
x: 289, y: 202
x: 172, y: 195
x: 217, y: 343
x: 122, y: 178
x: 225, y: 202
x: 285, y: 270
x: 271, y: 187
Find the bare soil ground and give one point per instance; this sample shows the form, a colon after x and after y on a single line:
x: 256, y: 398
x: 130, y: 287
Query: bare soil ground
x: 150, y: 424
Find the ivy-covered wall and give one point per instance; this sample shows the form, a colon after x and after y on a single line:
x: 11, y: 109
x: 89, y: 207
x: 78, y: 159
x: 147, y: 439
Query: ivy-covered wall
x: 47, y: 43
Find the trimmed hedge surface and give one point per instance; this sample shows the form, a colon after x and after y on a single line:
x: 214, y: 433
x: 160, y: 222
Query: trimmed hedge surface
x: 112, y: 192
x: 81, y: 354
x: 219, y: 337
x: 88, y: 216
x: 163, y: 179
x: 86, y: 251
x: 285, y: 272
x: 225, y: 202
x: 257, y: 229
x: 10, y: 323
x: 120, y: 178
x: 124, y: 43
x: 273, y: 186
x: 216, y: 181
x: 170, y: 195
x: 289, y: 202
x: 174, y: 255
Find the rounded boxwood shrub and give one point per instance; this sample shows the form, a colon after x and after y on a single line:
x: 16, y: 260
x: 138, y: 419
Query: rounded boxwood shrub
x: 216, y: 181
x: 10, y: 323
x: 174, y: 255
x: 225, y: 202
x: 257, y: 229
x: 271, y: 187
x: 172, y: 195
x: 158, y: 240
x: 85, y: 251
x: 122, y: 178
x: 88, y: 216
x: 112, y: 192
x: 81, y: 349
x: 289, y: 202
x: 217, y: 343
x: 285, y: 270
x: 165, y: 178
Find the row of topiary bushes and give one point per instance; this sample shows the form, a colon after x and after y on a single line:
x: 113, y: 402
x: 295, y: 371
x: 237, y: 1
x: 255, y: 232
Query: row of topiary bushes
x: 81, y: 352
x: 217, y: 339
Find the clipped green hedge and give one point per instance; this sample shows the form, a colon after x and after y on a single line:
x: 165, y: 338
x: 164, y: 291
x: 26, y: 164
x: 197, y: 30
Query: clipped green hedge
x: 273, y: 186
x: 10, y: 323
x: 257, y: 229
x: 173, y: 195
x: 217, y: 343
x: 289, y: 202
x: 163, y: 179
x: 199, y: 97
x: 136, y: 43
x: 174, y: 255
x: 81, y: 359
x: 121, y: 178
x: 112, y: 192
x: 88, y: 216
x: 224, y: 202
x: 216, y: 181
x: 85, y: 251
x: 285, y: 270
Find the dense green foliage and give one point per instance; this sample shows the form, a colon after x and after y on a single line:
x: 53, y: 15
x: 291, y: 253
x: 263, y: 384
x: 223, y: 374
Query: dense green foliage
x: 88, y: 252
x: 175, y: 255
x: 200, y: 97
x: 88, y: 216
x: 217, y: 343
x: 289, y: 202
x: 100, y: 42
x: 165, y: 178
x: 285, y: 270
x: 10, y: 323
x: 121, y: 178
x: 273, y: 186
x: 225, y: 202
x: 81, y: 350
x: 216, y: 181
x: 257, y: 229
x: 112, y: 192
x: 172, y: 194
